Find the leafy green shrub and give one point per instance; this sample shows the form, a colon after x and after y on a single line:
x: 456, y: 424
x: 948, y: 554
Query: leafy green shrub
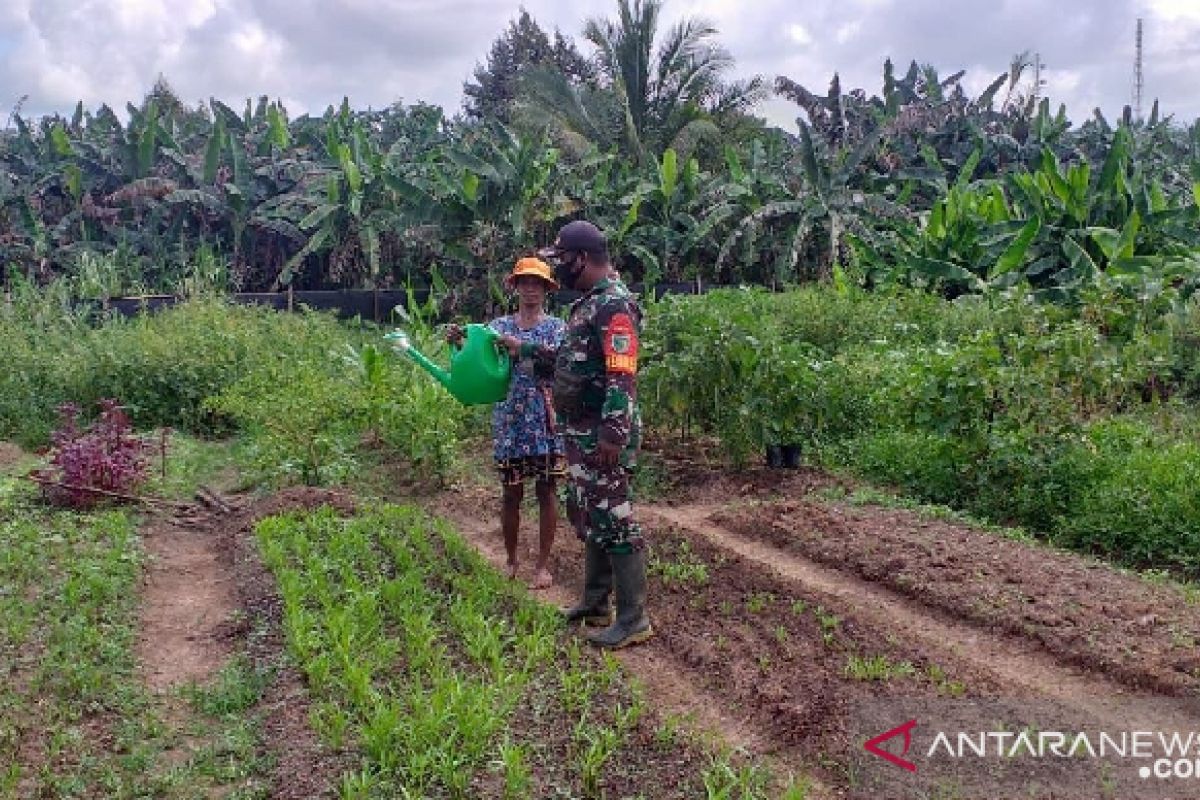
x: 1185, y: 350
x: 423, y: 424
x: 300, y: 420
x: 1016, y: 410
x: 160, y: 366
x: 1030, y: 476
x: 37, y: 332
x: 165, y: 365
x: 931, y: 465
x: 306, y: 418
x: 1146, y: 510
x: 295, y: 383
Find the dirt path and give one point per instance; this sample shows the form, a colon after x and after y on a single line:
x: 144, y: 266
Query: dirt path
x: 10, y: 456
x: 1080, y: 610
x: 10, y: 453
x: 1012, y: 662
x: 187, y: 603
x: 303, y: 767
x: 206, y: 596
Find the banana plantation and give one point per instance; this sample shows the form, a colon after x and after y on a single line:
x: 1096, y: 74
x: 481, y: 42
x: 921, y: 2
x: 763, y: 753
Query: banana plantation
x: 912, y: 181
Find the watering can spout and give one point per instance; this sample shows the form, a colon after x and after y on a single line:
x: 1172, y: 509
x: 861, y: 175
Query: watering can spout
x: 477, y: 374
x: 441, y: 375
x: 399, y: 340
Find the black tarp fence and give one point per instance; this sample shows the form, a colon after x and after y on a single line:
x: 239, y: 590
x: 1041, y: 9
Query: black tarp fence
x: 366, y: 304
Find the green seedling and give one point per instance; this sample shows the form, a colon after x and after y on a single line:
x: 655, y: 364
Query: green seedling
x: 876, y: 668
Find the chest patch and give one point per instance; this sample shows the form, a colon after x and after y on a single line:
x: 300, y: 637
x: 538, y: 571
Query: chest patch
x: 621, y: 345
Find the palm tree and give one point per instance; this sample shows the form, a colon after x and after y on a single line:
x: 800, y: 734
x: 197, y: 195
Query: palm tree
x: 651, y: 98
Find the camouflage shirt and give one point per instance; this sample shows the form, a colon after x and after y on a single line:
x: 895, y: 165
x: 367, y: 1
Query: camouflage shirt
x: 595, y: 367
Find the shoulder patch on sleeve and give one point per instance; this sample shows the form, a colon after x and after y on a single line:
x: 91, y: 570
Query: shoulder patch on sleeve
x: 620, y: 345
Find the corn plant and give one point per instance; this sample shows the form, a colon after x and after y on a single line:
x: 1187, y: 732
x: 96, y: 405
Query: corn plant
x: 595, y: 746
x: 514, y: 760
x: 724, y: 781
x: 427, y: 608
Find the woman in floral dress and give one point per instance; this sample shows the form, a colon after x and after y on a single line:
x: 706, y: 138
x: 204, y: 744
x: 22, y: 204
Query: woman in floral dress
x: 525, y: 442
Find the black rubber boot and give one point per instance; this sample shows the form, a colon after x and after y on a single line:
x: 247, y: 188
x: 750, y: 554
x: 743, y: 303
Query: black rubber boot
x: 593, y: 608
x: 632, y: 625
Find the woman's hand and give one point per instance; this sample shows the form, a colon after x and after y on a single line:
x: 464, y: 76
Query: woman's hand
x: 510, y: 343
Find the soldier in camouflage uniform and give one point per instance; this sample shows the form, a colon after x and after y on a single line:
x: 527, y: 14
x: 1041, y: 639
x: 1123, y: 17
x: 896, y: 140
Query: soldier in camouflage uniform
x: 595, y: 395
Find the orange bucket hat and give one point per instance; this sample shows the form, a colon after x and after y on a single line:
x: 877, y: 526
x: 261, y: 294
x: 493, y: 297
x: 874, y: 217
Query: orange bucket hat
x: 531, y: 266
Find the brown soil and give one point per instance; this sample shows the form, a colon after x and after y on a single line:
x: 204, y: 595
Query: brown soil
x: 1011, y: 661
x: 10, y: 454
x: 644, y: 763
x: 478, y: 520
x: 675, y: 698
x: 694, y: 472
x: 187, y: 604
x: 1077, y: 610
x: 760, y: 652
x: 765, y: 652
x: 303, y: 767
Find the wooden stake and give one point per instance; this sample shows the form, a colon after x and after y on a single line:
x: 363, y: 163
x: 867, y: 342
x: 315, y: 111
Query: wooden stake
x: 137, y: 498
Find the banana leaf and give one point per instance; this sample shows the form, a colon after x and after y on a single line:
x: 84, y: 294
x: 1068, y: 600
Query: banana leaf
x: 1014, y: 255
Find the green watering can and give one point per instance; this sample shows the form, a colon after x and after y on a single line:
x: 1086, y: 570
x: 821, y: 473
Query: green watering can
x: 479, y: 372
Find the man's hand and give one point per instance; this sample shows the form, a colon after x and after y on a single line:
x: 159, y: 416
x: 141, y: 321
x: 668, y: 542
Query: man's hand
x: 608, y: 454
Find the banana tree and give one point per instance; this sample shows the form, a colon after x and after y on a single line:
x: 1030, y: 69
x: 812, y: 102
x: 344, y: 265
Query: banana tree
x: 1056, y: 228
x: 658, y: 218
x: 351, y: 204
x: 517, y: 191
x: 833, y: 200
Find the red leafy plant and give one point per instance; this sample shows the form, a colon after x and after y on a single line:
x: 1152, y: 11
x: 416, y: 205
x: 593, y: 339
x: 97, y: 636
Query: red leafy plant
x: 105, y: 456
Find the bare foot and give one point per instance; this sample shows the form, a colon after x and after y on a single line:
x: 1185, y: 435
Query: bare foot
x: 511, y: 571
x: 543, y: 580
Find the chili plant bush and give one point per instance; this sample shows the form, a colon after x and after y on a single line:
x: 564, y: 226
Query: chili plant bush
x: 997, y: 404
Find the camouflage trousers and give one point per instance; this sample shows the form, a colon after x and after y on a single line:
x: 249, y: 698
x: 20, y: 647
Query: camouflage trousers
x: 598, y: 503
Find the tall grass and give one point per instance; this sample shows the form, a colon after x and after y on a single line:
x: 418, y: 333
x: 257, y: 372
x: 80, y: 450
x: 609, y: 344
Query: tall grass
x: 304, y: 388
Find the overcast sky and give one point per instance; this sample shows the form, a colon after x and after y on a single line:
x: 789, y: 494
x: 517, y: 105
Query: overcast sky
x: 311, y: 53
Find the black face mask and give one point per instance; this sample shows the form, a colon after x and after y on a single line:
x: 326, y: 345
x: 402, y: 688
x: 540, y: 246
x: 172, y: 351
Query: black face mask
x: 567, y: 271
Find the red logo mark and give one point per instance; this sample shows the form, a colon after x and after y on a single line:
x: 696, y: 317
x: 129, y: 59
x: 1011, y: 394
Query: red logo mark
x: 904, y: 730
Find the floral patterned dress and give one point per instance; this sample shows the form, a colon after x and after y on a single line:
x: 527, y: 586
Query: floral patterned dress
x: 522, y: 424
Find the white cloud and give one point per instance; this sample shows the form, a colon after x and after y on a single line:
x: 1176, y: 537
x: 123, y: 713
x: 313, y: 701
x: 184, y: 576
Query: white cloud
x: 378, y: 51
x: 1064, y: 81
x: 799, y: 34
x: 250, y: 39
x: 848, y: 31
x: 1174, y: 10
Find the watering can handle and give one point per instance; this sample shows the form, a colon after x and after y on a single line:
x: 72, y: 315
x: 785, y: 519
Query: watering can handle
x: 491, y: 333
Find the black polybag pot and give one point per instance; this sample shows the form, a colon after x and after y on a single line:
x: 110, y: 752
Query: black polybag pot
x: 791, y: 456
x: 774, y: 456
